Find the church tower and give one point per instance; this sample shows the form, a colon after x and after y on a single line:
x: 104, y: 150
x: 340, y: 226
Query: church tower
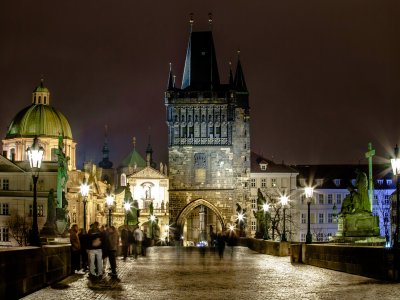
x: 209, y: 142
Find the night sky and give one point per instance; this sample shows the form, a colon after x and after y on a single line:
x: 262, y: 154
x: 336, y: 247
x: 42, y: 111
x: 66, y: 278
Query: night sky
x: 323, y: 76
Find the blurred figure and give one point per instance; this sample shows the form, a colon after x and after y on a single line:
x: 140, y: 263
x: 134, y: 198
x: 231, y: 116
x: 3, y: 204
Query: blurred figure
x: 232, y: 240
x: 84, y: 254
x: 138, y: 235
x: 220, y: 245
x: 105, y: 246
x: 113, y: 242
x: 125, y: 241
x: 75, y: 250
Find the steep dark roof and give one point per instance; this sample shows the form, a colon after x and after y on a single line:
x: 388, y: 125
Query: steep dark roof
x: 272, y: 167
x: 201, y: 70
x: 240, y: 83
x: 346, y: 173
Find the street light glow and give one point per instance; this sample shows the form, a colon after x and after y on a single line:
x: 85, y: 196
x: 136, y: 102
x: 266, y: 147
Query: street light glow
x: 127, y: 206
x: 309, y: 191
x: 231, y: 227
x: 110, y: 200
x: 35, y: 154
x: 84, y: 189
x: 266, y: 207
x: 240, y: 216
x: 152, y: 218
x: 284, y: 200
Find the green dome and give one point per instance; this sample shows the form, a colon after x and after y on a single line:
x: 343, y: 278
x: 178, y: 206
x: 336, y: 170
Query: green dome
x: 39, y: 120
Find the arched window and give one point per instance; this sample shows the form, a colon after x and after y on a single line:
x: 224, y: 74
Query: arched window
x: 12, y: 154
x: 44, y: 100
x: 123, y: 179
x: 40, y: 99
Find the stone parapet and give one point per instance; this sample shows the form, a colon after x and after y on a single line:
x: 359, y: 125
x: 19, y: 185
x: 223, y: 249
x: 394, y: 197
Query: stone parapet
x: 268, y: 247
x: 374, y: 262
x: 27, y: 269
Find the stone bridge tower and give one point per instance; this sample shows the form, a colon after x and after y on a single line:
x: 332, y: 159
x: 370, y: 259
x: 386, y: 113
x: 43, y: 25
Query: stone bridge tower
x: 209, y: 143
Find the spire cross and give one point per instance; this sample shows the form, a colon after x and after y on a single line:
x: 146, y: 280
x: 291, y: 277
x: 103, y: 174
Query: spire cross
x: 210, y: 20
x: 369, y: 154
x: 134, y: 142
x: 191, y: 21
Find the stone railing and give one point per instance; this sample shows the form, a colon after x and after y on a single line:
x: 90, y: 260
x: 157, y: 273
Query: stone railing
x: 369, y: 261
x: 25, y: 270
x: 267, y: 246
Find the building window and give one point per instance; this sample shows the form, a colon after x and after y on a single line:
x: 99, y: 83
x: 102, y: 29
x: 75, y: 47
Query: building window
x: 123, y: 179
x: 273, y: 182
x: 263, y: 167
x: 253, y: 225
x: 263, y: 182
x: 5, y: 209
x: 6, y: 184
x: 320, y: 237
x: 303, y: 219
x: 375, y: 199
x: 4, y: 235
x: 321, y: 198
x: 336, y: 182
x: 302, y: 237
x: 302, y: 198
x: 387, y: 200
x: 380, y: 181
x: 254, y: 203
x: 330, y: 198
x: 339, y: 199
x: 321, y: 218
x: 253, y: 182
x: 389, y: 181
x: 40, y: 210
x: 330, y: 218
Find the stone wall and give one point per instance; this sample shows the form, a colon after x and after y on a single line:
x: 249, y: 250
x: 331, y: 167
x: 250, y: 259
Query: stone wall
x: 373, y: 262
x: 268, y: 247
x: 24, y: 270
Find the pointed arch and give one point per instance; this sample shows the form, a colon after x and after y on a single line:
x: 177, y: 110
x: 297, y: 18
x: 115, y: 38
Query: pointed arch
x: 180, y: 220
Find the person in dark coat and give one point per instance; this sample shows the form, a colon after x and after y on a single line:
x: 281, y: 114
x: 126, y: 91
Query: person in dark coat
x: 95, y: 253
x: 220, y: 245
x: 125, y: 241
x: 113, y: 242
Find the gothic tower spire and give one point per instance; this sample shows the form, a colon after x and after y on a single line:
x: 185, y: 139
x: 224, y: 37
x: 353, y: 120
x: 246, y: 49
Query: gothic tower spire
x: 240, y: 83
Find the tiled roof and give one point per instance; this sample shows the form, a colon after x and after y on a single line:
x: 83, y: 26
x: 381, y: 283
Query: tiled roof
x: 272, y: 167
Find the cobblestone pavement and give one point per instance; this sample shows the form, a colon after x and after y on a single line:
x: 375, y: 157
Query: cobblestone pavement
x: 166, y: 273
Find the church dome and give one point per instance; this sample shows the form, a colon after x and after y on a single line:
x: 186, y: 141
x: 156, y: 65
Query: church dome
x: 39, y: 120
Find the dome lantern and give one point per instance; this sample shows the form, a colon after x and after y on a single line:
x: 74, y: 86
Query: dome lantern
x: 41, y: 94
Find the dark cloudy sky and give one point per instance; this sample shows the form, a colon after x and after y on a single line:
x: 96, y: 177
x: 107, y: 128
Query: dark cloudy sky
x: 323, y: 76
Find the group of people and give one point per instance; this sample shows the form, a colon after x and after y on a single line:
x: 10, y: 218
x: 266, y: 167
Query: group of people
x: 221, y: 239
x: 133, y: 242
x: 92, y: 250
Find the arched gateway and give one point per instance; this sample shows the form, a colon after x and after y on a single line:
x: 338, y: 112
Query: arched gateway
x: 183, y: 215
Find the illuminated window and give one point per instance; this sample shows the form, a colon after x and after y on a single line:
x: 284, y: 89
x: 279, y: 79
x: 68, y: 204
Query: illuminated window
x: 339, y: 199
x: 321, y: 218
x: 273, y: 182
x: 123, y: 179
x: 253, y: 225
x: 263, y: 182
x: 253, y: 182
x: 321, y: 198
x: 4, y: 234
x: 40, y: 210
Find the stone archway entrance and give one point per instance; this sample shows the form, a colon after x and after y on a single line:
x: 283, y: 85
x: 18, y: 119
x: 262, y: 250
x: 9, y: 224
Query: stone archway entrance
x: 198, y: 220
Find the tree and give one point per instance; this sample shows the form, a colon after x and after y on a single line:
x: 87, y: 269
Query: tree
x: 272, y: 197
x: 19, y: 227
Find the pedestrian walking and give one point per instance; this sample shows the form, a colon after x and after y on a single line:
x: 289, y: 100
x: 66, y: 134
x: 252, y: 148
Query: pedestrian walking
x: 125, y: 241
x: 75, y: 250
x: 84, y: 252
x: 113, y: 242
x: 95, y: 252
x: 220, y: 245
x: 104, y: 245
x: 138, y: 235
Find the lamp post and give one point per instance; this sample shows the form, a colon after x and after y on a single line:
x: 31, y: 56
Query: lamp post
x: 266, y: 209
x: 127, y: 206
x: 110, y: 202
x: 396, y: 171
x: 35, y: 157
x: 284, y: 201
x: 309, y: 191
x: 84, y: 188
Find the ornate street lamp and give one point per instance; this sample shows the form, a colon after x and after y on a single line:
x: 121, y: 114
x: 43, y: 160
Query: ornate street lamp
x: 110, y: 202
x: 84, y: 188
x: 35, y: 157
x: 309, y: 191
x: 127, y: 207
x: 266, y: 209
x: 396, y: 171
x: 284, y: 202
